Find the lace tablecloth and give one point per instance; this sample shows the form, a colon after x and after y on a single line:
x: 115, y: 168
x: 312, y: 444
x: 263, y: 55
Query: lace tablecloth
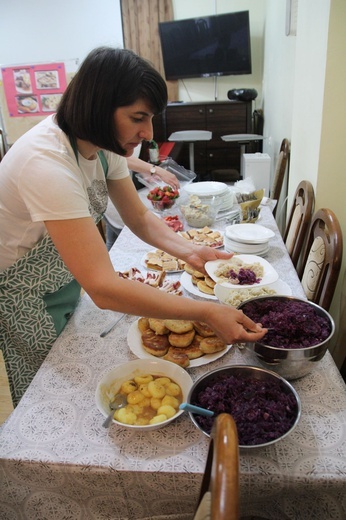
x: 58, y: 462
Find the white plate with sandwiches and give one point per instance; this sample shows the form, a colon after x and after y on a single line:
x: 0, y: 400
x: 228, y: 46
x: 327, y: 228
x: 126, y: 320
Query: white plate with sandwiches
x: 158, y: 260
x: 134, y: 341
x: 186, y: 282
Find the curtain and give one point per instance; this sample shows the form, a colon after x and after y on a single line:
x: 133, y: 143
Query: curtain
x: 140, y: 20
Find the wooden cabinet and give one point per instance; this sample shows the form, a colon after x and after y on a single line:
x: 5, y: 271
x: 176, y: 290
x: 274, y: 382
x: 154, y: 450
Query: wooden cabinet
x: 220, y: 118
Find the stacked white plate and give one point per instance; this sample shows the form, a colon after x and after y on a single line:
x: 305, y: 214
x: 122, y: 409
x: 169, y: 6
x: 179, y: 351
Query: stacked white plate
x: 224, y: 197
x: 247, y: 239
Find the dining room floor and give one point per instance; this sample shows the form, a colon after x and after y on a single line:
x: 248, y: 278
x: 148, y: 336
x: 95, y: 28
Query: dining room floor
x: 6, y: 406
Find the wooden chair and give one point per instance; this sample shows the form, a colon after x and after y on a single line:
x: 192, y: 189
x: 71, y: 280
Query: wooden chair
x: 2, y: 144
x: 280, y: 170
x: 299, y: 220
x: 219, y: 495
x: 320, y: 264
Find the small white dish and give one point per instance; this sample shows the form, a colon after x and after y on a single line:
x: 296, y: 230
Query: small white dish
x: 249, y: 233
x: 259, y: 252
x: 239, y: 247
x: 269, y: 276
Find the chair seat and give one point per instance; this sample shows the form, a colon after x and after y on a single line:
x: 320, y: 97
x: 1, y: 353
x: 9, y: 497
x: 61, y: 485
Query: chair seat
x: 225, y: 175
x: 191, y: 135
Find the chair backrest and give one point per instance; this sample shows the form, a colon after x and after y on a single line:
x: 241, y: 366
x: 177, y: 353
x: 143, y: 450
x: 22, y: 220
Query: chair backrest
x: 321, y: 261
x: 2, y: 144
x: 219, y: 496
x: 299, y: 220
x: 280, y: 170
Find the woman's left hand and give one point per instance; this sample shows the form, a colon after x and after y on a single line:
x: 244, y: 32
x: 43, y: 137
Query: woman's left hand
x: 202, y: 254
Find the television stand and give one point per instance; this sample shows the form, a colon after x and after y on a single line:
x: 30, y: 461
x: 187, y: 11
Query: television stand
x: 218, y: 117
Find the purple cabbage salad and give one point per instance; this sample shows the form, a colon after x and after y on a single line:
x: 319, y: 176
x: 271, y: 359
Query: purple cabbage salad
x: 243, y: 277
x: 262, y: 410
x: 295, y: 324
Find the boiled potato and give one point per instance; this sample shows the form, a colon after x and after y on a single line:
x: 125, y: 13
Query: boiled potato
x: 135, y: 397
x: 156, y: 389
x: 158, y: 419
x: 173, y: 389
x: 141, y: 380
x: 167, y: 410
x: 127, y: 387
x: 151, y: 400
x: 171, y: 401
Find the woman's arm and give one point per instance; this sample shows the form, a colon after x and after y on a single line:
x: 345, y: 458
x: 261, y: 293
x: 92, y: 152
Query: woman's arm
x: 144, y: 167
x: 149, y: 228
x: 84, y: 253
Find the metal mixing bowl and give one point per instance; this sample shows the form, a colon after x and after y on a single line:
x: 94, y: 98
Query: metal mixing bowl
x: 246, y: 373
x: 290, y: 363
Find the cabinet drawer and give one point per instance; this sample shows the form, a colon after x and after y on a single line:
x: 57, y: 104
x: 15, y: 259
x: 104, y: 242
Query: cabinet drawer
x: 223, y: 157
x: 227, y: 119
x: 185, y: 118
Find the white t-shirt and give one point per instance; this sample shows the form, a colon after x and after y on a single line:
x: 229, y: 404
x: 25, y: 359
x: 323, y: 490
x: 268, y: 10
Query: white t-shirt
x: 40, y: 180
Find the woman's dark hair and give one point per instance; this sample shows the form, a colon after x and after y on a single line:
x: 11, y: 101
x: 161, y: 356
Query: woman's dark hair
x: 108, y: 79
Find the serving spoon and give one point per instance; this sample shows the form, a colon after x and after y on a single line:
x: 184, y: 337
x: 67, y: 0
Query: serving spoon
x: 196, y: 409
x: 119, y: 401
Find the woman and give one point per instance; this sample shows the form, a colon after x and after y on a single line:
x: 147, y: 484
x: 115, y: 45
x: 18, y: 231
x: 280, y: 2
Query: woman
x: 53, y: 189
x: 113, y: 222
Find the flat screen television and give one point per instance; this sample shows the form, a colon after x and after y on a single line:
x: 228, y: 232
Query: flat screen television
x: 217, y: 45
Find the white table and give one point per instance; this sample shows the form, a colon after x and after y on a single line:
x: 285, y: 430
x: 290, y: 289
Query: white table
x: 57, y: 462
x: 190, y: 136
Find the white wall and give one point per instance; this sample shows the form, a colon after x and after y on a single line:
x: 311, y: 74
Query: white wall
x: 308, y: 93
x: 209, y: 89
x: 47, y: 30
x: 278, y: 81
x: 303, y: 91
x: 43, y: 31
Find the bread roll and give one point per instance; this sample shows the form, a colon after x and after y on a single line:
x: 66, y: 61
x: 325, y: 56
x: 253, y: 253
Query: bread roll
x: 188, y: 268
x: 158, y: 326
x: 203, y: 287
x: 211, y: 345
x: 155, y: 344
x: 177, y: 356
x: 143, y: 324
x: 193, y: 351
x: 209, y: 281
x: 179, y: 326
x: 203, y: 329
x: 181, y: 340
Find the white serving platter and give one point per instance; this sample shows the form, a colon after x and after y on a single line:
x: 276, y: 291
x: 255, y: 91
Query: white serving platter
x: 270, y: 275
x: 135, y: 344
x: 207, y: 189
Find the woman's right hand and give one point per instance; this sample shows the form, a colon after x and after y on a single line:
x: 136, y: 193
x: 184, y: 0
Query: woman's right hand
x: 167, y: 177
x: 232, y: 325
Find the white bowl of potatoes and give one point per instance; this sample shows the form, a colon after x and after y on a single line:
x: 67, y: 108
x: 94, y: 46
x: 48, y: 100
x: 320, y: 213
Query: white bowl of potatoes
x: 154, y: 389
